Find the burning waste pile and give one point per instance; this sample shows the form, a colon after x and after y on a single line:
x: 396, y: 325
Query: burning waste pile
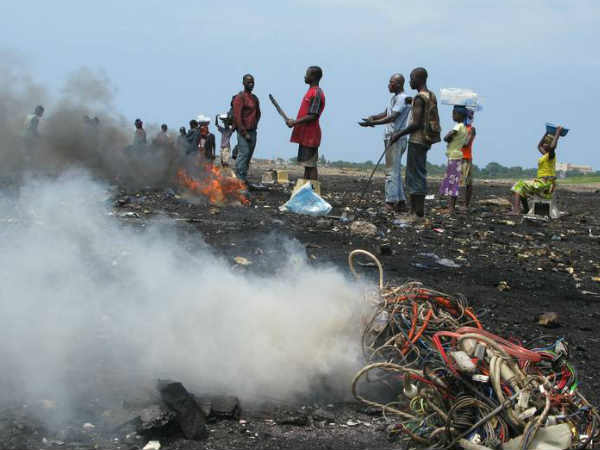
x: 214, y: 184
x: 457, y: 385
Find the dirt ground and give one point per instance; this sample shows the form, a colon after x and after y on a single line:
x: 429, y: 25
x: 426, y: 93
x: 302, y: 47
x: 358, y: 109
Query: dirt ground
x: 546, y: 267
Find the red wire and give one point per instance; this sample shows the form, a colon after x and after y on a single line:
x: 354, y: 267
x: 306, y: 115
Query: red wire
x: 413, y: 325
x: 425, y: 323
x: 512, y: 349
x: 470, y: 313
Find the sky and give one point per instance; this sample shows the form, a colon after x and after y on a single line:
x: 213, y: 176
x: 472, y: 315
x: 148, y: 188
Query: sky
x: 532, y: 61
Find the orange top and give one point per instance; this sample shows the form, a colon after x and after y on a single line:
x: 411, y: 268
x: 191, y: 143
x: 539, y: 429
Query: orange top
x: 467, y: 150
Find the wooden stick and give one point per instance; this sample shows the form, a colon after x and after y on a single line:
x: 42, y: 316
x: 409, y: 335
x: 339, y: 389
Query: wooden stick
x: 278, y: 108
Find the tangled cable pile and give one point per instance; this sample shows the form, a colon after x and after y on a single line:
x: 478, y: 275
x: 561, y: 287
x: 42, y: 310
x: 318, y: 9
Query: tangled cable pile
x: 457, y: 385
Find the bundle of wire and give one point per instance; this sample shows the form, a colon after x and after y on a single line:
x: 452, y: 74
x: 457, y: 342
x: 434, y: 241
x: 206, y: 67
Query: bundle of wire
x: 455, y: 385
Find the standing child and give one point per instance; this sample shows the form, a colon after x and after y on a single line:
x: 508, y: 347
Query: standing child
x: 467, y: 161
x: 456, y: 140
x: 226, y: 131
x: 206, y: 140
x: 306, y: 129
x: 192, y: 138
x: 139, y: 138
x: 181, y: 142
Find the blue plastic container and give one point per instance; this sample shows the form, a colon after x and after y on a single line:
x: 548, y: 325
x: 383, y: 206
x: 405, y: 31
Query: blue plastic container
x: 551, y: 129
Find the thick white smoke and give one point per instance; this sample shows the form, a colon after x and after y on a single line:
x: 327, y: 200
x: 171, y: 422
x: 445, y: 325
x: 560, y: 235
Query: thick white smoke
x: 85, y: 299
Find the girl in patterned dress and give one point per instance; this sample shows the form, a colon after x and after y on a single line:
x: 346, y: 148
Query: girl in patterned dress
x: 456, y: 140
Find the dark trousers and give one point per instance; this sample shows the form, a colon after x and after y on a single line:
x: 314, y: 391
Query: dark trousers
x: 245, y: 152
x: 416, y: 169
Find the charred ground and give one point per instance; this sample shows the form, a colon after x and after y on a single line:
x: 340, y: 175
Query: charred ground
x: 546, y: 267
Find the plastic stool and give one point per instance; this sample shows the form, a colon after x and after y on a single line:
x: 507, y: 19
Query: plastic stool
x: 544, y: 207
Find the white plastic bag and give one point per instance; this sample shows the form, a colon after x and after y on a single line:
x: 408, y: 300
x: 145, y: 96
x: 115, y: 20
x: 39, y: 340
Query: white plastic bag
x: 459, y: 96
x: 307, y: 201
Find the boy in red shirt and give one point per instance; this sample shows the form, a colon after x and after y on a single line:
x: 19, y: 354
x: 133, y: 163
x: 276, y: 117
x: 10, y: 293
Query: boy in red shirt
x: 307, y: 132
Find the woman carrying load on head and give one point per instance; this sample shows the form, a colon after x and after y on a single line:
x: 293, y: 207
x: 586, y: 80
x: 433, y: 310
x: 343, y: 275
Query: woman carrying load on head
x: 543, y: 185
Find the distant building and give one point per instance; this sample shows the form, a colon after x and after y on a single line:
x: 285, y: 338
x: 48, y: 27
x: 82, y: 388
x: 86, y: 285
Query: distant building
x: 563, y: 168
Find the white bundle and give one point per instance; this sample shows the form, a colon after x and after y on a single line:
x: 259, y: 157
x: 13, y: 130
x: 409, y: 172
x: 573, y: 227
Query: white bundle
x: 460, y: 96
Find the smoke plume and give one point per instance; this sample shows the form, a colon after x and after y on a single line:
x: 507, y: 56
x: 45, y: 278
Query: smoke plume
x: 68, y: 138
x: 89, y: 303
x: 90, y: 307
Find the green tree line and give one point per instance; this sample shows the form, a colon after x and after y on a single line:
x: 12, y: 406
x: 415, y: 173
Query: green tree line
x: 491, y: 170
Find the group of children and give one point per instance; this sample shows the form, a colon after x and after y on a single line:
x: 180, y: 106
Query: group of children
x: 460, y: 157
x: 460, y: 164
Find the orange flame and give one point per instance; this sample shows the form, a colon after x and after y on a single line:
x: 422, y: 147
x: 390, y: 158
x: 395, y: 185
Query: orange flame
x: 217, y: 187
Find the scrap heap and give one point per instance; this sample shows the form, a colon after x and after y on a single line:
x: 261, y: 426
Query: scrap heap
x: 457, y: 385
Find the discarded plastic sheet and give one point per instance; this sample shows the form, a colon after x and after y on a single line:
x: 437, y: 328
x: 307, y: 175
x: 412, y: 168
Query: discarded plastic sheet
x: 422, y: 266
x: 460, y: 96
x: 306, y: 201
x: 446, y: 262
x: 456, y: 384
x: 430, y: 197
x: 401, y: 223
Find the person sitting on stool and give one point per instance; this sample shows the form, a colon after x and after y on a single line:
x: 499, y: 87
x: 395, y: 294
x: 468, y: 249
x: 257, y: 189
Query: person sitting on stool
x: 545, y: 182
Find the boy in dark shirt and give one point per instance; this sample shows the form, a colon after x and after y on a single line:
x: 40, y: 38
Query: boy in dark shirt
x: 206, y: 142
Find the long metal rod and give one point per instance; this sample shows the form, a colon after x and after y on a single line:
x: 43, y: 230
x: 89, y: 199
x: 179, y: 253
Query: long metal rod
x: 360, y: 200
x: 278, y: 108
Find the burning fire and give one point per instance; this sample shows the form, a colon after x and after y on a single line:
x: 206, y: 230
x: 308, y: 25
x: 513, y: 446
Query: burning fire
x: 217, y: 187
